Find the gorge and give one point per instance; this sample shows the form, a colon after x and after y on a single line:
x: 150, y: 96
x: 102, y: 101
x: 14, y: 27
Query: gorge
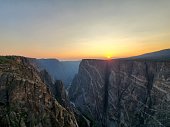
x: 128, y: 92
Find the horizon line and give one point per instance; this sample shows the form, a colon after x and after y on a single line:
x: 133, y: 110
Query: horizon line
x: 79, y: 59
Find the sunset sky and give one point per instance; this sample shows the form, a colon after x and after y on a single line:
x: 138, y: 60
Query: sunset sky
x: 76, y: 29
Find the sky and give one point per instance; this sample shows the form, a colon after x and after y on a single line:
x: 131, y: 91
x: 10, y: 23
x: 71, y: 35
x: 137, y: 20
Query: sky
x: 77, y: 29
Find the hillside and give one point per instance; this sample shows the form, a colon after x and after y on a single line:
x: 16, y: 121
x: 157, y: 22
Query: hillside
x: 158, y: 55
x: 25, y: 99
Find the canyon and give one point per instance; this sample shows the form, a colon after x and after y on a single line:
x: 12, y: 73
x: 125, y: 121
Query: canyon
x: 59, y: 70
x: 127, y: 92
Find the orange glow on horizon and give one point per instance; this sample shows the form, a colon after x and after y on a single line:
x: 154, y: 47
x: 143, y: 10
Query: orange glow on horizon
x: 84, y: 53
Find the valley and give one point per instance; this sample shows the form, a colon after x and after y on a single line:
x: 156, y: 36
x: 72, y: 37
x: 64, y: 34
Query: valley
x: 128, y: 92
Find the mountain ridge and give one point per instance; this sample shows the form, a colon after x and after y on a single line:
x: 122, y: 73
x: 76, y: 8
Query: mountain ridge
x: 161, y: 54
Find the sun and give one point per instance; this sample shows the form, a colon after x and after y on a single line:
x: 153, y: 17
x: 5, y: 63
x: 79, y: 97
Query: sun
x: 108, y: 57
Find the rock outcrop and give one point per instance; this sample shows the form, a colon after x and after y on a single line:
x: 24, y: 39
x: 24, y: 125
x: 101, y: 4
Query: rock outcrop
x: 123, y: 93
x: 60, y: 93
x: 25, y: 99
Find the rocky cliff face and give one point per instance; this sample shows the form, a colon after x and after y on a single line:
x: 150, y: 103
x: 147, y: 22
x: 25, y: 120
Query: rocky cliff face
x: 123, y: 93
x: 25, y: 99
x: 61, y: 95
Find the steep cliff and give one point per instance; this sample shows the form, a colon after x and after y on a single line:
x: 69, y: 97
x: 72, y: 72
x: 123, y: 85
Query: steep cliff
x: 59, y: 92
x: 25, y: 99
x: 123, y: 93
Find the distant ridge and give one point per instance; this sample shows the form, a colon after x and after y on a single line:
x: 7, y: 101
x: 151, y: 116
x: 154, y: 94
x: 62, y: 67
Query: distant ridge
x: 158, y: 55
x: 60, y: 70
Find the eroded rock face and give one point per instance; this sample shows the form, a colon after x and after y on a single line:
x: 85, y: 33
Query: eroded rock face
x: 25, y: 99
x: 123, y: 92
x: 61, y: 95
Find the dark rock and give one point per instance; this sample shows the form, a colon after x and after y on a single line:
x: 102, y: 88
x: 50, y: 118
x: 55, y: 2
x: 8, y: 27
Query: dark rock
x: 25, y: 99
x: 123, y: 93
x: 60, y: 93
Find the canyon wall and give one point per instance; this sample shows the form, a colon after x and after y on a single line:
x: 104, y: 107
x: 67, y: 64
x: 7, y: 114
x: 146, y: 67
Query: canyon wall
x: 25, y: 98
x: 123, y: 92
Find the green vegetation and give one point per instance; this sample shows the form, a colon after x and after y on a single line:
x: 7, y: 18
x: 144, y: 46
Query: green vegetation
x: 6, y: 59
x: 3, y: 59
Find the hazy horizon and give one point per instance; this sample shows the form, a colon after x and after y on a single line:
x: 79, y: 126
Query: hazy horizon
x: 75, y: 30
x: 98, y: 58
